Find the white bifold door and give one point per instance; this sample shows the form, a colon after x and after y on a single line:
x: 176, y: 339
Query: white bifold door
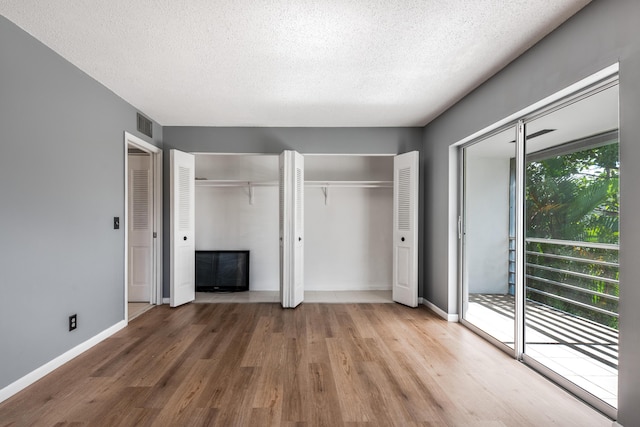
x: 182, y: 214
x: 405, y: 228
x: 291, y: 229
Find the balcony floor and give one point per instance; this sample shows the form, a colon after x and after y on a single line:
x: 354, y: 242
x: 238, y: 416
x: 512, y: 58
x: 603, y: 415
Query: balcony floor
x: 582, y: 351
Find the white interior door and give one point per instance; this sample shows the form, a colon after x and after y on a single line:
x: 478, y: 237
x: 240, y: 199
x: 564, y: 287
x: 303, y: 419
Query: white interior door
x: 182, y: 212
x: 291, y: 229
x: 140, y: 233
x: 405, y: 228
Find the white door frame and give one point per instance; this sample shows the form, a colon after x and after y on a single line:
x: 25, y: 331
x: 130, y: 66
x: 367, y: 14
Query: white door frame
x: 156, y: 182
x: 519, y: 120
x: 456, y: 195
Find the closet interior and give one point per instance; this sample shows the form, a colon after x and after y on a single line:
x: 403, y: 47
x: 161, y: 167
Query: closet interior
x: 348, y: 217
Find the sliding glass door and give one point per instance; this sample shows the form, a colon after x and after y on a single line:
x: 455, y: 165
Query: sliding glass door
x: 571, y: 242
x: 489, y: 280
x: 540, y: 241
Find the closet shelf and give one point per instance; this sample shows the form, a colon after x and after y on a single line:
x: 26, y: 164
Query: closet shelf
x: 234, y: 183
x: 326, y: 185
x: 359, y: 184
x: 316, y: 184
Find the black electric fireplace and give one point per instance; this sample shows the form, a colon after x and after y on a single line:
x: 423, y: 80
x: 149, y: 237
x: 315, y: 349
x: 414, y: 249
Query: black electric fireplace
x: 222, y: 271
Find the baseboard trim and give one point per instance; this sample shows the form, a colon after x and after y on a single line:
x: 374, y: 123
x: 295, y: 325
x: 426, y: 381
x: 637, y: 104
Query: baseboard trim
x: 431, y: 306
x: 166, y: 300
x: 616, y: 424
x: 48, y: 367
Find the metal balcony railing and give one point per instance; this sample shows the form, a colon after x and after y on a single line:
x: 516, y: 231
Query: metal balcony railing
x: 580, y: 278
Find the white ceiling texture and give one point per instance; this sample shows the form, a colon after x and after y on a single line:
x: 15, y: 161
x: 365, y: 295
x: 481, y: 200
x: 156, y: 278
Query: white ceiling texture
x: 290, y: 62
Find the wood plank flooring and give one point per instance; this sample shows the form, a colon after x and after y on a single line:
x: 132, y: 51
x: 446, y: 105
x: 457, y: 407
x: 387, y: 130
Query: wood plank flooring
x: 317, y: 365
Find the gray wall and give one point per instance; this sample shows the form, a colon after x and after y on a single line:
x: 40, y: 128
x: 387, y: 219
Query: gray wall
x: 303, y: 140
x: 61, y: 184
x: 604, y: 32
x: 276, y: 140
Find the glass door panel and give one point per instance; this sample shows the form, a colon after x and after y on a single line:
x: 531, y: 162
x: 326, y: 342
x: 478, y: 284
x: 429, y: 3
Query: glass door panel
x: 488, y: 254
x: 571, y: 242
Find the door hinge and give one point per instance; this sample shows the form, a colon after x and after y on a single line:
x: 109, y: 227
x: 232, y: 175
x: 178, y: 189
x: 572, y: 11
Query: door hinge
x: 155, y: 234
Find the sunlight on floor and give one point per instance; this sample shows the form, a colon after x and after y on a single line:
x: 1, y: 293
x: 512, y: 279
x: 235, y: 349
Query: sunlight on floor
x: 583, y: 352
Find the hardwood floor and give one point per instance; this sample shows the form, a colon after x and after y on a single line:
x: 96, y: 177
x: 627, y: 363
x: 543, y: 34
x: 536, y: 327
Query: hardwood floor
x: 318, y: 365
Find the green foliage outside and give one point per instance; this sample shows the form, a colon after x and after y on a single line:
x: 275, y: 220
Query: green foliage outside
x: 574, y: 197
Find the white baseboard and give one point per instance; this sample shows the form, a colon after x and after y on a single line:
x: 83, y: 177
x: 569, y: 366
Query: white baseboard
x: 615, y: 424
x: 166, y: 300
x: 48, y: 367
x: 431, y: 306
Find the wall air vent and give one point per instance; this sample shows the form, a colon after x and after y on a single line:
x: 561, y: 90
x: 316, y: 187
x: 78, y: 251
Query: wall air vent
x: 145, y: 125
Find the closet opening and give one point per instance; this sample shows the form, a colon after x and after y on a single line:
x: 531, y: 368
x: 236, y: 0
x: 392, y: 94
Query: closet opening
x: 237, y: 209
x: 348, y: 228
x: 346, y: 205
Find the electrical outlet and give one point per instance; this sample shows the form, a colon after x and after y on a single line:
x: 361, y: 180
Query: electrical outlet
x: 73, y: 322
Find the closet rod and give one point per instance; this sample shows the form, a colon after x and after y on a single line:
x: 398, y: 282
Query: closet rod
x: 234, y: 183
x: 247, y: 183
x: 226, y: 183
x: 354, y: 184
x: 325, y: 185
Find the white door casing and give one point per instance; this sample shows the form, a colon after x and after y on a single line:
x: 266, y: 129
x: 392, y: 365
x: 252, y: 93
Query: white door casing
x: 405, y: 228
x: 156, y: 172
x: 140, y: 233
x: 291, y: 229
x: 182, y: 228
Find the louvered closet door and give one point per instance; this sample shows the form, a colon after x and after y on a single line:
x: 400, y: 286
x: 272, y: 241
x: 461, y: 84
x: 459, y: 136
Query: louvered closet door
x: 140, y: 232
x: 291, y: 229
x: 182, y: 186
x: 405, y: 229
x: 298, y: 230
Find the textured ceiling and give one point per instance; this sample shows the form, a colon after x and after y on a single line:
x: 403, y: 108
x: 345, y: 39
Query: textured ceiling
x: 290, y: 62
